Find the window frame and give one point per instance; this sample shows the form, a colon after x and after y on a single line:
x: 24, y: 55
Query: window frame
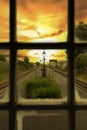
x: 71, y: 107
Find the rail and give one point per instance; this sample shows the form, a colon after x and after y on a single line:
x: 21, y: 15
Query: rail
x: 5, y: 84
x: 77, y: 81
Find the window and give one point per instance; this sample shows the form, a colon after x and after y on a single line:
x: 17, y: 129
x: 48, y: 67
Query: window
x: 39, y: 114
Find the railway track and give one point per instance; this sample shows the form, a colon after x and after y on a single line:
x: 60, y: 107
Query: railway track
x: 81, y: 83
x: 4, y: 85
x: 81, y: 86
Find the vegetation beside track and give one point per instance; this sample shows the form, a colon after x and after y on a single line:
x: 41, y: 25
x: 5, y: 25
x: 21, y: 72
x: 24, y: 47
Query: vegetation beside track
x: 42, y: 88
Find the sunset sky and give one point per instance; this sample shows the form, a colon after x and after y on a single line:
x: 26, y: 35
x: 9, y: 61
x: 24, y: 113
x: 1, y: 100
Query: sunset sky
x: 80, y: 11
x: 36, y: 55
x: 40, y: 20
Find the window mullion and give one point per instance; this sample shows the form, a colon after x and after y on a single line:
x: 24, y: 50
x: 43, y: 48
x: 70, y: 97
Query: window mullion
x: 71, y: 21
x: 12, y: 111
x: 71, y: 64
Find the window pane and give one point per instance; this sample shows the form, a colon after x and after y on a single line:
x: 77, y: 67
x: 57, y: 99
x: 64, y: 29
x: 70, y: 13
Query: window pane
x: 42, y: 21
x: 81, y: 120
x: 4, y: 117
x: 81, y: 74
x: 41, y: 74
x: 4, y: 20
x: 42, y: 120
x: 4, y: 75
x: 81, y: 21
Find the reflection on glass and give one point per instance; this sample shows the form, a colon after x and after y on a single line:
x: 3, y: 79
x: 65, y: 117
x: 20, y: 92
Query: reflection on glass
x: 41, y: 74
x: 4, y: 75
x: 42, y: 120
x: 81, y: 120
x: 4, y: 120
x: 81, y: 74
x: 81, y: 21
x: 42, y: 20
x: 4, y: 20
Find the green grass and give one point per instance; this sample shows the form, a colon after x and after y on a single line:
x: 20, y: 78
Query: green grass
x: 42, y: 88
x: 4, y: 71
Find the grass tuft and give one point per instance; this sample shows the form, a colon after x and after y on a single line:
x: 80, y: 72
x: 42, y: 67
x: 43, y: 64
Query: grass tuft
x: 42, y: 88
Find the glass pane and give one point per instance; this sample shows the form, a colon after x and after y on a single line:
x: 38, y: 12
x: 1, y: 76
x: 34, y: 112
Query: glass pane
x: 80, y: 21
x: 4, y: 75
x: 41, y: 75
x: 81, y: 120
x: 4, y: 117
x: 42, y: 120
x: 81, y: 74
x: 4, y: 20
x: 42, y: 21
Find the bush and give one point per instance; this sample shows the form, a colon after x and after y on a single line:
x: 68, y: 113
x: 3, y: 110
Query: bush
x: 81, y: 31
x: 81, y: 63
x: 42, y: 88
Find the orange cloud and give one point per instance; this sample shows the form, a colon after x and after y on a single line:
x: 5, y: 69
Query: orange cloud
x: 60, y: 55
x: 32, y: 15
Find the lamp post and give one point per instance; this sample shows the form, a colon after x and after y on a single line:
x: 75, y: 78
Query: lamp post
x: 44, y: 66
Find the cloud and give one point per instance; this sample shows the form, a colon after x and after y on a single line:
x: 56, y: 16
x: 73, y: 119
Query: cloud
x: 59, y: 55
x: 50, y: 14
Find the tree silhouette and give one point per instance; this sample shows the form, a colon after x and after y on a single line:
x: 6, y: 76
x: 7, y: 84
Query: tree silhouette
x: 81, y: 31
x: 26, y: 62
